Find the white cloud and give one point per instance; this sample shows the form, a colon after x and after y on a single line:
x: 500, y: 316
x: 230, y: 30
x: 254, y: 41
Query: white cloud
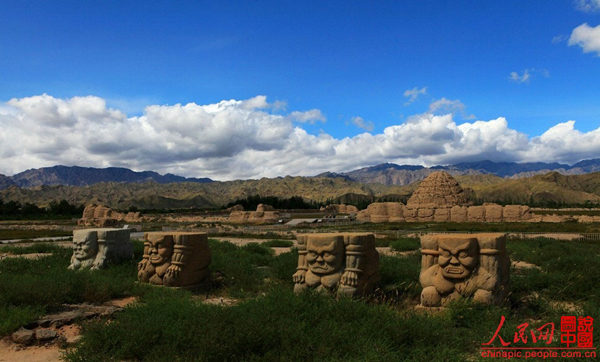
x: 361, y: 123
x: 413, y: 94
x: 311, y: 116
x: 587, y: 6
x: 524, y: 78
x: 587, y: 38
x: 527, y: 75
x: 447, y: 106
x: 560, y: 38
x: 239, y: 139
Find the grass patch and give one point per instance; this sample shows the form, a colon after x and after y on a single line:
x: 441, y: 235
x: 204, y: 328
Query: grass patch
x: 31, y: 249
x: 271, y: 323
x: 281, y: 326
x: 279, y: 243
x: 9, y: 234
x: 405, y: 244
x: 250, y: 269
x: 590, y: 212
x: 28, y: 288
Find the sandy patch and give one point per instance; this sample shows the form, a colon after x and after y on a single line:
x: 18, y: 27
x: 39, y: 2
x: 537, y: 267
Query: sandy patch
x: 11, y: 352
x: 123, y: 302
x: 523, y: 265
x: 387, y: 251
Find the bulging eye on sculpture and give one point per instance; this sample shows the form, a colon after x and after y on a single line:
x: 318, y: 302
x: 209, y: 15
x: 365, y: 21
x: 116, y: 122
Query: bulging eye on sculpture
x: 446, y: 253
x: 463, y: 254
x: 311, y: 255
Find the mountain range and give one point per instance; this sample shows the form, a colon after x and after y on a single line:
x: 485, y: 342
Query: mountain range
x: 385, y: 174
x: 392, y: 174
x: 85, y: 176
x: 549, y: 187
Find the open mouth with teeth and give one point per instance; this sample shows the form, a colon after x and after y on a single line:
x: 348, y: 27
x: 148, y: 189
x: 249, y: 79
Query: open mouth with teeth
x: 454, y: 270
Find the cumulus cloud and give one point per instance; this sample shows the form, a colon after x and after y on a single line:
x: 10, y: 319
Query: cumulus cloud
x: 413, y: 94
x: 241, y: 139
x: 588, y: 6
x: 361, y: 123
x: 311, y: 116
x: 587, y: 38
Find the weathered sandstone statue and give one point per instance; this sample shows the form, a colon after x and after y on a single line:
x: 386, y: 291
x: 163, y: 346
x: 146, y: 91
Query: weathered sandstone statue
x: 175, y: 259
x: 464, y: 266
x: 344, y: 264
x: 96, y: 248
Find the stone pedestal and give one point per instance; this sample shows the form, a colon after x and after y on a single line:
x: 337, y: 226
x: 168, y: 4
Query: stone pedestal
x: 343, y: 264
x: 96, y: 248
x: 175, y: 259
x: 464, y: 266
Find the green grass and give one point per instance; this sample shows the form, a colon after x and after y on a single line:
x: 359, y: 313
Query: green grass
x: 279, y: 243
x: 591, y: 212
x: 8, y: 234
x: 270, y: 323
x: 34, y: 248
x: 281, y: 326
x: 30, y: 287
x: 405, y: 244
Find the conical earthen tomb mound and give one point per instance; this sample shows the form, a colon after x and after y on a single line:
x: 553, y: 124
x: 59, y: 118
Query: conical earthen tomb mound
x: 438, y: 190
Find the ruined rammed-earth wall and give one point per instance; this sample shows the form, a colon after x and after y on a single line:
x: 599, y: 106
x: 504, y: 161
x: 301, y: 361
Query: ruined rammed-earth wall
x: 398, y: 212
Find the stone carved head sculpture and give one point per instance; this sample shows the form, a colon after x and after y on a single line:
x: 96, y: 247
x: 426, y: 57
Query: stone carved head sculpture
x: 157, y: 259
x: 85, y: 248
x: 336, y: 263
x: 458, y: 258
x: 161, y: 249
x: 177, y: 259
x: 97, y: 248
x: 463, y: 266
x: 324, y: 256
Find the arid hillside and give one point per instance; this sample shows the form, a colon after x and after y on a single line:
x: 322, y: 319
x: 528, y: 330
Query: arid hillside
x: 575, y: 189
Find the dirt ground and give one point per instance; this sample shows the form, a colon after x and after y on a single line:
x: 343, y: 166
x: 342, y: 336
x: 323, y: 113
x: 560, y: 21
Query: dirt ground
x: 49, y: 352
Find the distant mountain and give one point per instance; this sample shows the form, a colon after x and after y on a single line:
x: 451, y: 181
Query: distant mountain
x: 552, y: 187
x: 181, y: 195
x: 392, y: 174
x: 569, y: 189
x: 5, y: 182
x: 507, y: 169
x: 85, y: 176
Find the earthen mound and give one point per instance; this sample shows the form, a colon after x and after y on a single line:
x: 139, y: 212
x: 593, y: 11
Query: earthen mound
x: 438, y: 190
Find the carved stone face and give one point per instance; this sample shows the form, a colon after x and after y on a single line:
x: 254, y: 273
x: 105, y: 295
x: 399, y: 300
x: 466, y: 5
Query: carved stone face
x: 161, y: 248
x: 458, y: 257
x: 324, y: 256
x: 85, y: 246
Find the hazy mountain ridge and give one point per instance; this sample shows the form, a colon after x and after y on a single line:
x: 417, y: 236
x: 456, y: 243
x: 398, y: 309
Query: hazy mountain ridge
x: 84, y: 176
x: 392, y: 174
x: 385, y: 174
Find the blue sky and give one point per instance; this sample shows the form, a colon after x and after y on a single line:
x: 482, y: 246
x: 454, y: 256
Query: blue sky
x: 519, y: 60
